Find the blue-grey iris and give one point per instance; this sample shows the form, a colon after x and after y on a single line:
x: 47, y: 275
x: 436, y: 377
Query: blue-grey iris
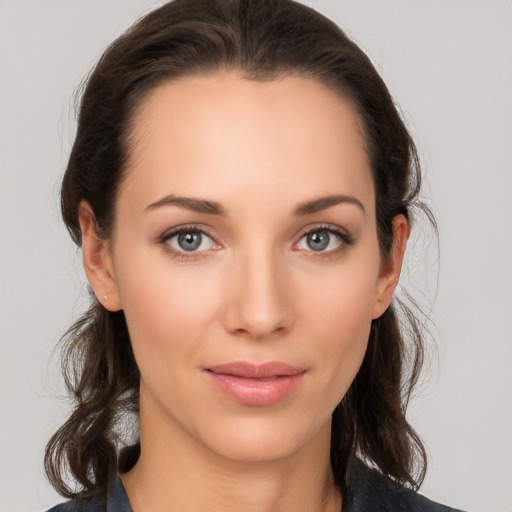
x: 190, y: 240
x: 318, y: 240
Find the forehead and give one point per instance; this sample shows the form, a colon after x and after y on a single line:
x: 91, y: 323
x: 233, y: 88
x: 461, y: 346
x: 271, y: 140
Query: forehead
x: 220, y: 135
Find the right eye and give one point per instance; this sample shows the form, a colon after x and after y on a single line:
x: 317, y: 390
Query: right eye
x: 190, y: 240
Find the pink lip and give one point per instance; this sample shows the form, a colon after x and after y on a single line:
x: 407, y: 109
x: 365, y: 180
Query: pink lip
x: 253, y: 384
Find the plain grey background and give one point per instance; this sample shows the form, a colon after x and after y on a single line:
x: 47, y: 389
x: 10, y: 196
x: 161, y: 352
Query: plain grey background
x: 448, y: 64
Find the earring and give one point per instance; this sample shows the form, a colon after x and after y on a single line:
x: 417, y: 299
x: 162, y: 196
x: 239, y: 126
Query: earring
x: 106, y: 297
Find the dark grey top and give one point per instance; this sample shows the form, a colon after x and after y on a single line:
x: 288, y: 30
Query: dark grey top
x: 370, y: 492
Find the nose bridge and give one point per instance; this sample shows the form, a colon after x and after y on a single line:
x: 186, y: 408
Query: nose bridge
x: 258, y: 305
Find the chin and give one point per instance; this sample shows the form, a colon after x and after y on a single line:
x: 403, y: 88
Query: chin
x: 257, y: 440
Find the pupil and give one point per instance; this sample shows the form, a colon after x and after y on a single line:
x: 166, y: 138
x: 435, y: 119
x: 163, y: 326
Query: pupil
x: 189, y: 241
x: 318, y: 241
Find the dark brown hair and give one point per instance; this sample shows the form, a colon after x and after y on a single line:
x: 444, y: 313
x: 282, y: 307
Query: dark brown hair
x: 260, y: 39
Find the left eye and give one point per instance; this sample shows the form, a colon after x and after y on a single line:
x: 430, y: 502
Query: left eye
x: 320, y: 240
x: 190, y: 241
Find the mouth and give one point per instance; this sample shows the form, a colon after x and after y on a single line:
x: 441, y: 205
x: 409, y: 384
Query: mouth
x: 253, y: 384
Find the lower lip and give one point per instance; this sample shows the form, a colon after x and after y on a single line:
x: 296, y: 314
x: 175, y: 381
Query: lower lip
x: 256, y: 391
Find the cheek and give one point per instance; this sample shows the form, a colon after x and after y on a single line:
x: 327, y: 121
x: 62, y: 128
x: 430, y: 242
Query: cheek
x: 340, y: 299
x: 343, y: 320
x: 167, y: 308
x: 337, y: 310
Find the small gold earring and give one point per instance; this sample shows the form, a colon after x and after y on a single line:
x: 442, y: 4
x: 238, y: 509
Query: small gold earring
x: 106, y: 297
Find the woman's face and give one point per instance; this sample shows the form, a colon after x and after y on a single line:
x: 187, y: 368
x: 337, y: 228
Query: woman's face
x: 245, y: 257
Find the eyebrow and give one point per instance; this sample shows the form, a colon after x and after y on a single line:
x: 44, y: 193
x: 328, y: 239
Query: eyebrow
x: 190, y: 203
x: 214, y: 208
x: 323, y: 203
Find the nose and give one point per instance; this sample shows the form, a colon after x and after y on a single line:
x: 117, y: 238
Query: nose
x: 258, y: 304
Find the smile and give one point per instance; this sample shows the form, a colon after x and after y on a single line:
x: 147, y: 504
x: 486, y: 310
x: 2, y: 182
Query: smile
x: 252, y: 384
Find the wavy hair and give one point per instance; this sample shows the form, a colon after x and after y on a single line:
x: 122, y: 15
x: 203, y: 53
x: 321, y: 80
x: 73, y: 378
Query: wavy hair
x: 261, y: 40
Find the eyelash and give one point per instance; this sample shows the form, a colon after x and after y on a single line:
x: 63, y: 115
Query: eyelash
x: 346, y: 241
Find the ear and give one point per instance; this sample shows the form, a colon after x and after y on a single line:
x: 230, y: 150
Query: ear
x: 391, y: 266
x: 97, y: 260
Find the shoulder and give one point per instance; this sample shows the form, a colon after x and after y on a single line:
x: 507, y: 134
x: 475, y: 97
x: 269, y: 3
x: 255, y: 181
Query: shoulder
x: 85, y: 506
x: 117, y: 501
x: 371, y: 491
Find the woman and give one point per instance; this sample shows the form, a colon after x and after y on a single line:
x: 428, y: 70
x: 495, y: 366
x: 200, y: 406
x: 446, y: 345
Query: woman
x: 240, y: 186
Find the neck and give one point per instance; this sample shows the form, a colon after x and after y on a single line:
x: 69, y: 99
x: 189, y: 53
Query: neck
x: 175, y: 472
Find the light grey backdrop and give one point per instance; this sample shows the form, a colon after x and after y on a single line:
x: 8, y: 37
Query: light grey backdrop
x: 448, y: 63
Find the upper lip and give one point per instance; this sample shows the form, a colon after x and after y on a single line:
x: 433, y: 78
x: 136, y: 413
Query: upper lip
x: 250, y: 370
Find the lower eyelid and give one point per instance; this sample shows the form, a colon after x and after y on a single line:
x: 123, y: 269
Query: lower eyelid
x: 180, y: 254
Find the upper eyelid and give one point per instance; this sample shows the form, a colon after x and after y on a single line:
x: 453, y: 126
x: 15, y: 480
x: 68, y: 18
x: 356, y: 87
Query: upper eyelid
x: 324, y: 227
x: 169, y: 233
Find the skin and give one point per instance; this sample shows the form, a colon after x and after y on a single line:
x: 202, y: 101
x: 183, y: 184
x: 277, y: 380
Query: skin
x: 254, y: 291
